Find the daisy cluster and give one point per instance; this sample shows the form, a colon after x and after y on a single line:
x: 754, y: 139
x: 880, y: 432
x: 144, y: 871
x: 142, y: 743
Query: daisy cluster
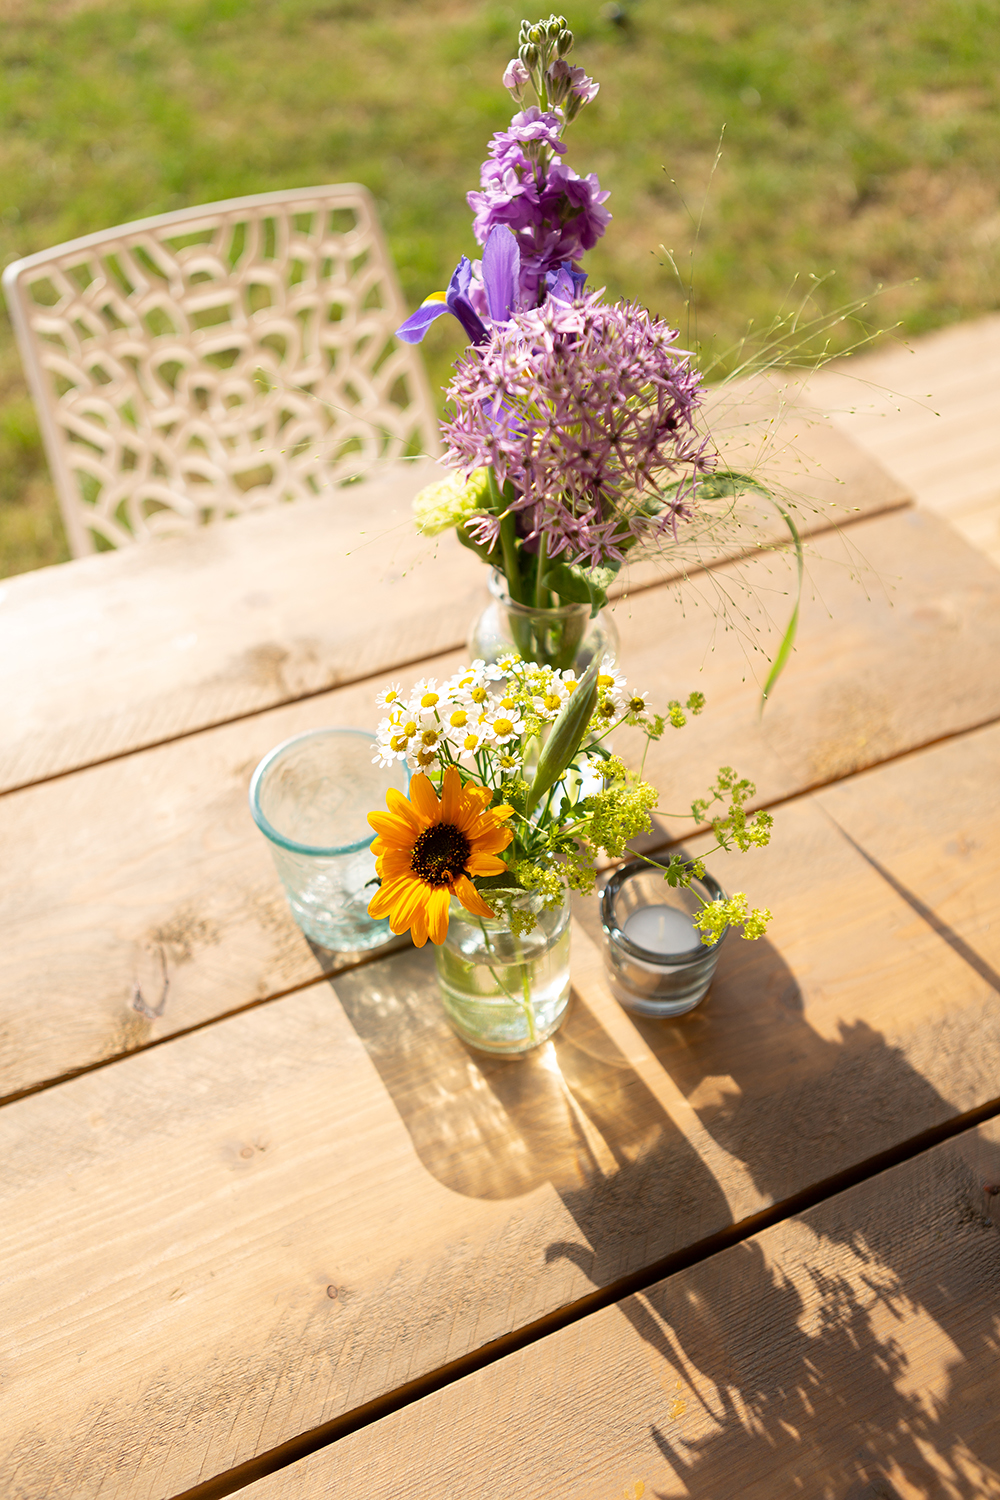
x: 484, y: 717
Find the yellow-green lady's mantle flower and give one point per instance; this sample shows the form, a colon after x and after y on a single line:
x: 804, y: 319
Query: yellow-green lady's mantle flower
x: 449, y: 502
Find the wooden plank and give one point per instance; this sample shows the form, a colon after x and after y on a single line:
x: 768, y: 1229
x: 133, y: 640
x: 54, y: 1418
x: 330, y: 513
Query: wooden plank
x: 154, y: 866
x: 141, y: 899
x: 898, y: 645
x: 942, y: 851
x: 111, y: 653
x: 170, y: 1226
x: 928, y: 413
x: 849, y: 1352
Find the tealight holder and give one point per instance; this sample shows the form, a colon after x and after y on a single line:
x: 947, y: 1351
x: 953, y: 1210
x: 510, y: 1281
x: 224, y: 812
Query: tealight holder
x: 657, y: 964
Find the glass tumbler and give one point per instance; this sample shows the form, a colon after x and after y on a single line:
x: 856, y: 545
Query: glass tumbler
x: 311, y: 797
x: 657, y: 964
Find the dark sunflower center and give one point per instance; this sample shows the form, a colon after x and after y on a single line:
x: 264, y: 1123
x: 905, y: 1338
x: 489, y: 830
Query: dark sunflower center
x: 439, y: 854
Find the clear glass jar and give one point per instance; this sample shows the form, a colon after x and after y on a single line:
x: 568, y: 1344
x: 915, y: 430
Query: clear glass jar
x: 311, y: 797
x: 501, y: 993
x: 564, y: 636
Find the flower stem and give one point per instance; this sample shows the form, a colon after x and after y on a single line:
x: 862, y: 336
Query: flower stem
x: 541, y: 592
x: 526, y: 1005
x: 529, y: 1009
x: 508, y: 541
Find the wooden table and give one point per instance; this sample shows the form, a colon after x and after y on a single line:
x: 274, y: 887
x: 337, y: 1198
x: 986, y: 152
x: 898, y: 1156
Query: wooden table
x: 268, y: 1228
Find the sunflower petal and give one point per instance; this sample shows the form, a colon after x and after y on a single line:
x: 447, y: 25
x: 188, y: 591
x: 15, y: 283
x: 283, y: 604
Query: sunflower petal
x: 394, y: 862
x: 418, y: 926
x: 385, y: 898
x: 437, y: 915
x: 471, y: 809
x: 493, y: 842
x: 400, y: 805
x: 451, y: 796
x: 425, y: 801
x: 400, y: 830
x: 471, y: 899
x: 484, y: 864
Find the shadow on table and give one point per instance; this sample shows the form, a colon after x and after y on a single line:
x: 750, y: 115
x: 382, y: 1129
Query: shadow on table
x: 784, y: 1359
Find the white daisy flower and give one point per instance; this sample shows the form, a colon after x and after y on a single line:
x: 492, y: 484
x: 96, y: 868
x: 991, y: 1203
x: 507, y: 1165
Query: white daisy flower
x: 505, y: 725
x: 421, y: 759
x: 636, y: 705
x: 475, y: 692
x: 550, y: 700
x: 471, y: 741
x: 611, y: 683
x: 509, y: 759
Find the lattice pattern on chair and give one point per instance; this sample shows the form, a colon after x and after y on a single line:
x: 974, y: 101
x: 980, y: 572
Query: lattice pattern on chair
x: 217, y: 360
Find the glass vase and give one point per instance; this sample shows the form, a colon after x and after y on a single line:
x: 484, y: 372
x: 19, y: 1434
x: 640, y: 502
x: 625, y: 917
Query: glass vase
x: 502, y: 993
x: 564, y: 636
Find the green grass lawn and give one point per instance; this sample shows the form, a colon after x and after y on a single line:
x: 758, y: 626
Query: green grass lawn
x: 860, y: 137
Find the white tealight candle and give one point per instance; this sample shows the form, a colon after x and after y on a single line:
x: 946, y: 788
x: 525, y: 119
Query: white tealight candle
x: 662, y: 929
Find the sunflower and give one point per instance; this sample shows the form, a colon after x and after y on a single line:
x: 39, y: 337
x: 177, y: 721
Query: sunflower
x: 427, y: 850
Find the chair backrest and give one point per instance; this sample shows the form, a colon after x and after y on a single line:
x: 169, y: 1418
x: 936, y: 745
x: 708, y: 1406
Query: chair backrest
x: 218, y: 359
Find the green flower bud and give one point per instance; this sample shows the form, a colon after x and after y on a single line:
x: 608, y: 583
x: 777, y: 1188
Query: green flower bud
x: 528, y: 53
x: 565, y: 736
x: 535, y: 35
x: 564, y: 42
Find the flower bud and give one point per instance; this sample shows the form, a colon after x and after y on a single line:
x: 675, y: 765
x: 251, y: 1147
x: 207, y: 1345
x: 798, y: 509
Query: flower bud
x: 564, y: 42
x: 535, y: 35
x: 565, y: 737
x: 528, y: 54
x: 515, y: 77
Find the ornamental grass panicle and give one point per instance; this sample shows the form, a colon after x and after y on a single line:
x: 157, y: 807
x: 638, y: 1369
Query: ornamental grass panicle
x: 505, y: 840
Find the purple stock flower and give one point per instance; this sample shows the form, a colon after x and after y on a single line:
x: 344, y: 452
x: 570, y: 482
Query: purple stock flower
x: 555, y: 213
x: 582, y: 406
x: 516, y: 78
x: 570, y: 88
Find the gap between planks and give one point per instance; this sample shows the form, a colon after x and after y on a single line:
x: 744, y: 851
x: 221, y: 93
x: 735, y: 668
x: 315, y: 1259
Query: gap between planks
x: 641, y: 586
x: 290, y: 1452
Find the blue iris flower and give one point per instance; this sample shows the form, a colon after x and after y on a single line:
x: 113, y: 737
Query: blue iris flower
x: 501, y: 269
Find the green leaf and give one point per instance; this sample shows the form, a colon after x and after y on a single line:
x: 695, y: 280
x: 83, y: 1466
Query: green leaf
x: 576, y: 584
x: 721, y: 484
x: 788, y: 640
x: 726, y: 484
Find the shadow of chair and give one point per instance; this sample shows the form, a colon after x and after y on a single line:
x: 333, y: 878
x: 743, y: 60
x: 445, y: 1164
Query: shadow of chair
x: 216, y: 360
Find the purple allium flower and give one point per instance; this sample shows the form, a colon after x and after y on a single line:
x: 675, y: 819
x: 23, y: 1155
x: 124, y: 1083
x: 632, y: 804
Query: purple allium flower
x: 582, y: 406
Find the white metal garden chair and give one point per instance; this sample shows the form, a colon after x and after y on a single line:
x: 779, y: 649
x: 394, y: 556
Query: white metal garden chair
x: 217, y: 360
